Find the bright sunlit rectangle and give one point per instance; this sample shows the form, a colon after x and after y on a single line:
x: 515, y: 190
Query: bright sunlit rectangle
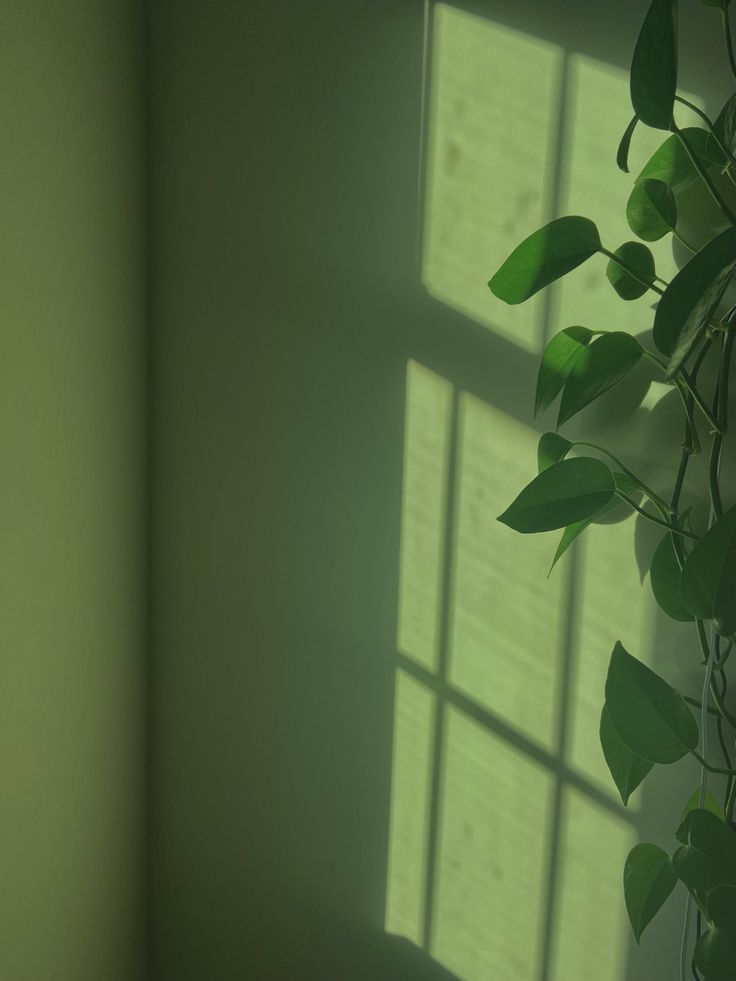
x: 410, y: 790
x: 493, y: 125
x: 426, y: 446
x: 591, y: 928
x: 493, y: 855
x: 506, y: 644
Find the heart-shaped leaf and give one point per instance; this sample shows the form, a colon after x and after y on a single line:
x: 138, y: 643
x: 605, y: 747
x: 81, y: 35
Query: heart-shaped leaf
x: 715, y: 954
x: 709, y: 857
x: 551, y: 449
x: 654, y: 66
x: 691, y: 298
x: 627, y: 769
x: 649, y: 878
x: 543, y: 257
x: 651, y: 210
x: 671, y: 163
x: 637, y: 257
x: 649, y: 715
x: 664, y: 575
x: 600, y: 366
x: 562, y: 494
x: 557, y: 362
x: 693, y: 804
x: 622, y: 154
x: 708, y: 580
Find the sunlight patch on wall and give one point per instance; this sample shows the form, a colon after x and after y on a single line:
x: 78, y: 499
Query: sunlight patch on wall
x: 597, y: 111
x: 590, y: 940
x: 613, y: 605
x: 410, y: 786
x: 505, y: 616
x: 492, y: 857
x: 491, y: 140
x: 426, y: 445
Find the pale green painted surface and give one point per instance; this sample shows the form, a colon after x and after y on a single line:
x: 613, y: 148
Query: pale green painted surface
x: 72, y: 494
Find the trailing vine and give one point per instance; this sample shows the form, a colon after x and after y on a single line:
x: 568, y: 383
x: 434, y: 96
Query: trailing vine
x: 645, y: 721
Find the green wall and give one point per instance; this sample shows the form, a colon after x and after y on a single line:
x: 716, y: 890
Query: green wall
x: 72, y: 514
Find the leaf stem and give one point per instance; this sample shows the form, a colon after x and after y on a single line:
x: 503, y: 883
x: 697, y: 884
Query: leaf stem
x: 699, y: 401
x: 721, y: 410
x: 703, y: 174
x: 654, y: 498
x: 729, y: 42
x: 631, y: 271
x: 657, y: 521
x: 698, y: 704
x: 711, y: 769
x: 724, y: 149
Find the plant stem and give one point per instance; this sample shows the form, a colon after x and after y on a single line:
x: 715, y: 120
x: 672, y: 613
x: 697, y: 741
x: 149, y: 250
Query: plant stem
x: 724, y: 149
x: 711, y: 769
x: 699, y: 401
x: 632, y: 272
x: 696, y: 703
x: 721, y: 410
x: 703, y: 174
x: 654, y: 498
x: 657, y: 521
x: 729, y: 41
x: 730, y: 802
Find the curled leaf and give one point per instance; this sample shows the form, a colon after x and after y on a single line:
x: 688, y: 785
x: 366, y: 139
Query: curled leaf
x: 622, y: 154
x: 551, y: 449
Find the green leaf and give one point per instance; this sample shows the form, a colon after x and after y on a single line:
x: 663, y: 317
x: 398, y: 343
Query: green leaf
x: 691, y: 298
x: 622, y: 154
x: 664, y: 575
x: 649, y: 715
x: 627, y: 769
x: 715, y: 954
x: 671, y: 163
x: 649, y: 878
x: 557, y: 362
x: 721, y: 908
x: 708, y: 580
x: 543, y: 257
x: 709, y: 857
x: 563, y: 493
x: 653, y: 81
x: 641, y: 260
x: 725, y: 128
x: 623, y: 483
x: 600, y: 366
x: 651, y: 210
x: 693, y: 804
x: 551, y: 449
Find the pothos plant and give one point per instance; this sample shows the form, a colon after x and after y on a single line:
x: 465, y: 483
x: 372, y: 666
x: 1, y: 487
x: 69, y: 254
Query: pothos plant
x: 644, y: 720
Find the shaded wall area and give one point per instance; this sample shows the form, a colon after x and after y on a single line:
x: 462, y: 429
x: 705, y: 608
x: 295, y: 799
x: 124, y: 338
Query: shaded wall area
x: 72, y: 519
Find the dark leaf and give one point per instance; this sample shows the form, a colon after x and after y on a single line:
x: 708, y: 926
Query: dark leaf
x: 627, y: 769
x: 654, y: 66
x: 693, y: 804
x: 709, y: 857
x: 562, y: 494
x: 721, y: 908
x: 648, y: 881
x: 708, y: 581
x: 649, y: 715
x: 557, y: 363
x: 600, y: 366
x: 622, y: 154
x: 543, y: 257
x: 664, y: 575
x: 725, y: 127
x: 551, y: 449
x: 715, y: 954
x: 640, y: 259
x: 691, y: 298
x: 651, y: 210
